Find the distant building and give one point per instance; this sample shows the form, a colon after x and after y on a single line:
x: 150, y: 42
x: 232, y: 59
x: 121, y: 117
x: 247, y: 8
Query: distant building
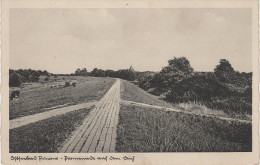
x: 131, y: 68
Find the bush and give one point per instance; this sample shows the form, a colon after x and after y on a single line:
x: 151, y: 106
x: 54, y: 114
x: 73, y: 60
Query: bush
x: 145, y: 82
x: 34, y: 78
x: 14, y: 80
x: 198, y: 87
x: 126, y: 74
x: 74, y: 84
x: 207, y: 89
x: 231, y: 104
x: 67, y: 84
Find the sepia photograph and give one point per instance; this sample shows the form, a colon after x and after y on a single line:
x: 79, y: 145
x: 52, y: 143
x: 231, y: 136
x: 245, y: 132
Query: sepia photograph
x: 131, y: 81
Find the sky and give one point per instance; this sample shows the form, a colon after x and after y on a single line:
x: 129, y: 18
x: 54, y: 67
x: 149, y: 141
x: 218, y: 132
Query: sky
x: 62, y: 40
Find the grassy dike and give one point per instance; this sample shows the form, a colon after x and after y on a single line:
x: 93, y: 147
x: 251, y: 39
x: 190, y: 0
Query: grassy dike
x: 142, y: 129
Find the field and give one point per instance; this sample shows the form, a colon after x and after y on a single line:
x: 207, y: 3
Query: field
x: 139, y: 129
x: 149, y: 130
x: 143, y: 129
x: 40, y: 97
x: 46, y: 135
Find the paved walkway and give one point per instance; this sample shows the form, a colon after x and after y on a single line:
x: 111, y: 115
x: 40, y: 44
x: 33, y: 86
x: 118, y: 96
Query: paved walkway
x: 15, y: 123
x: 98, y: 131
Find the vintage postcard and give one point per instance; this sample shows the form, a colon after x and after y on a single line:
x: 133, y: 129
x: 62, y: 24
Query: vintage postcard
x: 130, y: 82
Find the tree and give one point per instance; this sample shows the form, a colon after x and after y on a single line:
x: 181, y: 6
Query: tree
x: 45, y: 73
x: 224, y: 66
x: 77, y: 72
x: 98, y: 73
x: 84, y: 72
x: 24, y: 76
x: 14, y: 80
x: 94, y: 72
x: 40, y: 72
x: 181, y: 64
x: 144, y: 81
x: 177, y: 70
x: 126, y: 74
x: 224, y: 71
x: 110, y: 73
x: 36, y: 74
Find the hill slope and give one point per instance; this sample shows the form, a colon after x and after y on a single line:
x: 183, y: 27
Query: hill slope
x: 142, y: 129
x: 133, y: 93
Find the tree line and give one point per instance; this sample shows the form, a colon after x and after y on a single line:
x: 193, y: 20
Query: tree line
x: 17, y: 77
x: 224, y: 88
x: 125, y: 74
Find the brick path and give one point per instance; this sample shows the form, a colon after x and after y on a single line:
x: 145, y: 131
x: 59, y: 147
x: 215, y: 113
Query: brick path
x: 98, y: 131
x: 21, y: 121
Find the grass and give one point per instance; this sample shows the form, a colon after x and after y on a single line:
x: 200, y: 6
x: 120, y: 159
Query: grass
x: 131, y: 92
x: 199, y: 108
x: 149, y: 130
x: 46, y: 135
x: 37, y: 97
x: 234, y: 106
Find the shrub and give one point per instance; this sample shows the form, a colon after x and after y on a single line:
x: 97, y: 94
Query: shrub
x: 207, y: 89
x: 231, y: 104
x: 198, y: 87
x: 145, y: 82
x: 67, y: 84
x: 36, y: 74
x: 33, y: 78
x: 74, y: 84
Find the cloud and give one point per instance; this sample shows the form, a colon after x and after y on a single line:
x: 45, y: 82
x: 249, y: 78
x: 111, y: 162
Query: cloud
x: 61, y: 40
